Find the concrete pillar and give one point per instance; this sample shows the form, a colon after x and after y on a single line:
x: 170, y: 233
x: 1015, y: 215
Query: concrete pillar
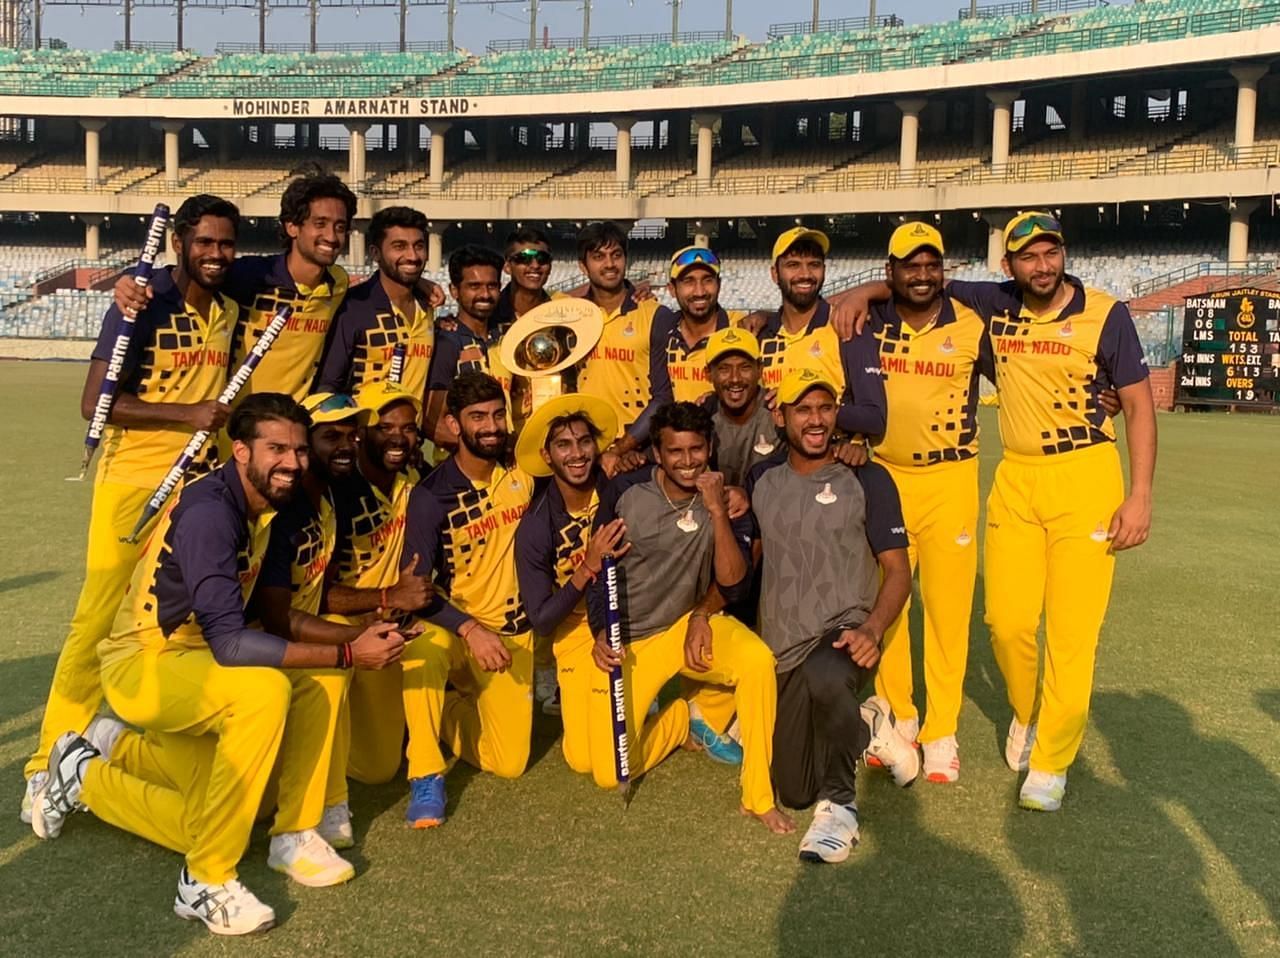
x: 438, y: 130
x: 435, y: 247
x: 1078, y: 116
x: 702, y: 239
x: 995, y: 220
x: 1001, y: 123
x: 910, y: 136
x: 1238, y: 231
x: 93, y: 149
x: 172, y: 154
x: 357, y: 249
x: 92, y: 235
x: 706, y: 139
x: 1247, y: 76
x: 356, y: 155
x: 622, y: 152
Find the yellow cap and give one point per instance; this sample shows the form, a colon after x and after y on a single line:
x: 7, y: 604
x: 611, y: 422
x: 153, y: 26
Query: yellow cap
x: 794, y: 235
x: 333, y: 407
x: 379, y: 394
x: 1031, y: 225
x: 688, y: 257
x: 534, y: 434
x: 734, y: 339
x: 799, y: 380
x: 909, y: 237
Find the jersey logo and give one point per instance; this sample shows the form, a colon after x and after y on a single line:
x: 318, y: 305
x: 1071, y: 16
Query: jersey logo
x: 947, y: 346
x: 629, y: 329
x: 1065, y: 330
x: 815, y: 349
x: 763, y: 446
x: 1099, y: 534
x: 963, y: 539
x: 826, y: 496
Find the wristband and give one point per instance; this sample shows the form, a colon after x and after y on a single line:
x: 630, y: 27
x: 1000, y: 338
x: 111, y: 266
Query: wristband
x: 344, y: 656
x: 384, y: 598
x: 467, y: 630
x: 699, y: 615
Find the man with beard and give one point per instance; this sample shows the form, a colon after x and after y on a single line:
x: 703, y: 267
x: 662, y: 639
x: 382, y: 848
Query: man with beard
x: 210, y: 693
x: 471, y: 340
x: 168, y: 387
x: 1057, y: 512
x: 390, y: 308
x: 799, y: 334
x: 745, y: 431
x: 684, y: 559
x: 316, y: 210
x: 836, y: 574
x: 528, y: 263
x: 371, y: 577
x: 617, y: 369
x: 462, y: 524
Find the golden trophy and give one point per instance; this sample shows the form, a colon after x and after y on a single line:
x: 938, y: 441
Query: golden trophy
x: 546, y: 343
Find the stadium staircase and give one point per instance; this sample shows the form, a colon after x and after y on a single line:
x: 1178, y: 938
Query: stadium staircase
x: 1172, y: 288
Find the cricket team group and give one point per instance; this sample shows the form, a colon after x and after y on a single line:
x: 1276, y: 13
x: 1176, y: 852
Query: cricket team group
x: 391, y: 553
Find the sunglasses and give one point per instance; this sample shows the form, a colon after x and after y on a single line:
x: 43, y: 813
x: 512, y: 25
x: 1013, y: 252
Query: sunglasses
x: 693, y: 256
x: 526, y: 256
x: 1040, y: 222
x: 336, y: 402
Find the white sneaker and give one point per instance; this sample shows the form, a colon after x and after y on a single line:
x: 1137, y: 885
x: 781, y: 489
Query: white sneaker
x: 544, y: 684
x: 34, y: 784
x: 102, y: 734
x: 1017, y: 745
x: 228, y: 909
x: 335, y: 826
x: 942, y: 760
x: 832, y: 834
x: 1042, y: 791
x: 902, y: 761
x: 908, y: 729
x: 60, y: 794
x: 308, y: 859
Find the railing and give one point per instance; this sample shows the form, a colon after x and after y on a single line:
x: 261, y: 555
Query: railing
x: 147, y: 46
x: 1158, y: 283
x: 844, y: 25
x: 596, y: 43
x: 1024, y: 8
x: 417, y: 46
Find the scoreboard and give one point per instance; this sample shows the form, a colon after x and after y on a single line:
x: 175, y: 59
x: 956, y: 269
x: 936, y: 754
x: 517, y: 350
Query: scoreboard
x: 1231, y: 350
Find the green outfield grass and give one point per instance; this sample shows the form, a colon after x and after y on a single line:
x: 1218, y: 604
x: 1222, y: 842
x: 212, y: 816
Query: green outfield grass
x: 1169, y: 842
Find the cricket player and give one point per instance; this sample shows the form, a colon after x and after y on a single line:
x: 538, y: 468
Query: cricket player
x: 462, y: 523
x: 683, y: 560
x: 389, y: 308
x: 471, y: 340
x: 836, y: 574
x: 1058, y: 511
x: 173, y: 372
x: 213, y: 695
x: 617, y: 369
x: 559, y: 552
x: 745, y: 430
x: 528, y: 262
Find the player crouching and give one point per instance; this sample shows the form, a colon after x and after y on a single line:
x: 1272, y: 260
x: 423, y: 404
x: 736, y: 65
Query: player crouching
x: 835, y: 576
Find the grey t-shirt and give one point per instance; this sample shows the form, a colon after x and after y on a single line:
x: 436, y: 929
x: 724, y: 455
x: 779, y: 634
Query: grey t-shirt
x: 821, y: 534
x: 739, y: 446
x: 667, y: 570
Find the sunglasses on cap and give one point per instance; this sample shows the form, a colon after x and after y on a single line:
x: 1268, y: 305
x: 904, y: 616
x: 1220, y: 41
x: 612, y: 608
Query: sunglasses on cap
x: 1040, y: 222
x: 526, y: 256
x: 693, y: 256
x: 336, y: 402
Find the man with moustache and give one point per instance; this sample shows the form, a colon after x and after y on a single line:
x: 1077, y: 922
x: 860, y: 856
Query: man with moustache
x: 462, y: 524
x: 617, y: 369
x: 471, y: 341
x: 836, y: 574
x: 745, y: 430
x: 390, y: 308
x: 212, y: 694
x: 372, y: 576
x: 528, y: 263
x: 174, y: 370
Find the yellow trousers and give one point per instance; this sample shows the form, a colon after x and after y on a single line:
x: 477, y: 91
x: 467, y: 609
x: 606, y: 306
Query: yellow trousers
x: 487, y: 720
x: 195, y: 780
x: 76, y: 691
x: 322, y: 778
x: 940, y: 506
x: 1046, y: 548
x: 587, y: 713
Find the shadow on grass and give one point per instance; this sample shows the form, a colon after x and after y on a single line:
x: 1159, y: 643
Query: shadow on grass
x: 1269, y: 701
x: 25, y: 581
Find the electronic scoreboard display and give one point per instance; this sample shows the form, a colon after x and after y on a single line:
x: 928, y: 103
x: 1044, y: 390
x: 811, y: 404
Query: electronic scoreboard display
x: 1231, y: 349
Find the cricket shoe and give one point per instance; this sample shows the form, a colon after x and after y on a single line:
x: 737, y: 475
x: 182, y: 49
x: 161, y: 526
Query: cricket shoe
x: 1042, y: 791
x: 34, y: 784
x: 1017, y: 745
x: 102, y: 734
x: 908, y: 729
x: 308, y: 859
x: 832, y: 834
x: 942, y: 760
x: 426, y: 802
x: 335, y: 826
x: 902, y: 761
x: 226, y: 909
x: 60, y: 794
x: 719, y: 748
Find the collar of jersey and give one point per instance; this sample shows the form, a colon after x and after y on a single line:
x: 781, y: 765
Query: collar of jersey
x: 1074, y: 306
x: 628, y: 301
x: 280, y: 277
x: 886, y: 315
x: 381, y: 302
x: 559, y: 511
x: 676, y: 336
x: 166, y: 291
x: 773, y: 324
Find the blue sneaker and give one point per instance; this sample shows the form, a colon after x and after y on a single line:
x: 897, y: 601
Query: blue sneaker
x: 426, y: 802
x: 719, y: 748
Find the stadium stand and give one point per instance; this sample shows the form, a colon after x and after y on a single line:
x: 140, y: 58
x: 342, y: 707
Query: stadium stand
x: 48, y: 72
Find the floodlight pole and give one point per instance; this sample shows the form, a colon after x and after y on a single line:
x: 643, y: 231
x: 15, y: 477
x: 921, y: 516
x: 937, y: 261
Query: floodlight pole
x: 816, y: 13
x: 315, y: 16
x: 675, y: 20
x: 586, y: 24
x: 533, y: 24
x: 404, y: 17
x: 262, y: 26
x: 36, y: 9
x: 182, y: 4
x: 128, y: 24
x: 871, y: 14
x: 452, y: 15
x: 728, y: 19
